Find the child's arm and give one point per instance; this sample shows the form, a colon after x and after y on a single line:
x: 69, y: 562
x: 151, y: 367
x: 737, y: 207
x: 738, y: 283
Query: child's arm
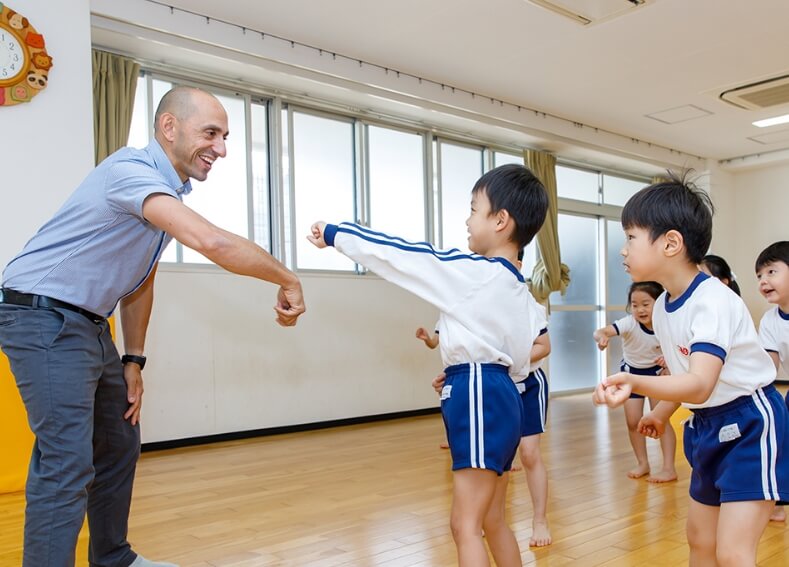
x: 541, y: 347
x: 423, y: 335
x: 694, y: 386
x: 654, y: 423
x: 442, y: 278
x: 775, y: 357
x: 602, y: 335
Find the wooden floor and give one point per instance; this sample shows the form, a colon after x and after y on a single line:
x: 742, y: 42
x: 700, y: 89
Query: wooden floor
x: 379, y: 495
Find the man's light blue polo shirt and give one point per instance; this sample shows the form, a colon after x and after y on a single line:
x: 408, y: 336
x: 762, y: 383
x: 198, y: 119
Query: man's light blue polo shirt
x: 98, y: 248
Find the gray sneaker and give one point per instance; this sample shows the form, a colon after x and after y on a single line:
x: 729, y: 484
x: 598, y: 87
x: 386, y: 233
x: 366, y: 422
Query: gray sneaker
x: 143, y: 562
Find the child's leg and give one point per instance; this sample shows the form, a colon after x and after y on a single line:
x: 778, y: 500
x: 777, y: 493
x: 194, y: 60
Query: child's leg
x: 498, y: 534
x: 740, y: 526
x: 668, y: 446
x: 702, y: 529
x: 537, y: 479
x: 634, y: 410
x: 472, y: 494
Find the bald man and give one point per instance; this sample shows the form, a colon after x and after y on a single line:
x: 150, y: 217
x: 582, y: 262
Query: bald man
x: 100, y: 250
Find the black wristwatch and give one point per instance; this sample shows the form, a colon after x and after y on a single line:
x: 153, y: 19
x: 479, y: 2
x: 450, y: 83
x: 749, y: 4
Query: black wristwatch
x: 140, y: 360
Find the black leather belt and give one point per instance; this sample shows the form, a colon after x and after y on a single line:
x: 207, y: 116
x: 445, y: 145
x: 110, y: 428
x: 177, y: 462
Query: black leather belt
x: 30, y: 300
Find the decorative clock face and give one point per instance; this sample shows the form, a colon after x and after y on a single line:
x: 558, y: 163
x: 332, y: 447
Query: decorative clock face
x: 13, y: 58
x: 24, y: 61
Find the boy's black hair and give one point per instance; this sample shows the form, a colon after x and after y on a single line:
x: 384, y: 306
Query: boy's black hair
x: 719, y: 268
x: 514, y: 188
x: 653, y: 289
x: 678, y: 205
x: 775, y: 252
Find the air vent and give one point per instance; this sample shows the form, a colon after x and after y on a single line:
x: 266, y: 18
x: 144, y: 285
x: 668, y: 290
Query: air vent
x: 756, y: 96
x: 587, y: 12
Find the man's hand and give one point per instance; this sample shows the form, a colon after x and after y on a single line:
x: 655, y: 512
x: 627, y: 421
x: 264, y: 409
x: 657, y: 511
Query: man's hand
x: 316, y: 235
x: 133, y: 376
x: 290, y: 304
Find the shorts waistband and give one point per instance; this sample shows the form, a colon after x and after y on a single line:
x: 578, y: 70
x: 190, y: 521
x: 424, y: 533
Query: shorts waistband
x: 12, y: 297
x: 651, y: 371
x: 728, y: 406
x: 464, y: 368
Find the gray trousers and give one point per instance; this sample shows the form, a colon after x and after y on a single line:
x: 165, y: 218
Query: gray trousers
x: 84, y: 457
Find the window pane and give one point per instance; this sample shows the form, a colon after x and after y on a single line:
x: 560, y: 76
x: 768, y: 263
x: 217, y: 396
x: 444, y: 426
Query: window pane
x: 323, y: 171
x: 578, y: 184
x: 578, y: 244
x: 614, y: 350
x: 138, y: 132
x: 461, y: 167
x: 573, y: 364
x: 260, y: 175
x: 222, y: 197
x: 618, y: 279
x: 397, y: 182
x: 617, y: 190
x: 501, y: 158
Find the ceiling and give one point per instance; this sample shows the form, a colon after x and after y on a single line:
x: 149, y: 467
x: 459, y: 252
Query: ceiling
x: 660, y: 56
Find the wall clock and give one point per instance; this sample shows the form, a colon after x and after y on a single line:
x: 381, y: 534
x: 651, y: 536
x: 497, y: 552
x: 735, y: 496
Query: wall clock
x: 24, y: 61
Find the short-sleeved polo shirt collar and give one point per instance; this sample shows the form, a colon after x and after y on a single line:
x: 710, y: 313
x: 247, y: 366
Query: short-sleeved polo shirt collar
x: 165, y: 166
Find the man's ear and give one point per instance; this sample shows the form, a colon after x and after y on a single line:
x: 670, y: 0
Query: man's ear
x: 167, y: 123
x: 673, y: 243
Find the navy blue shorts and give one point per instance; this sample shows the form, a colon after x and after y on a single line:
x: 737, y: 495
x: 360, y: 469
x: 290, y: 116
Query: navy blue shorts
x: 651, y: 371
x: 482, y: 415
x: 739, y: 451
x: 534, y: 403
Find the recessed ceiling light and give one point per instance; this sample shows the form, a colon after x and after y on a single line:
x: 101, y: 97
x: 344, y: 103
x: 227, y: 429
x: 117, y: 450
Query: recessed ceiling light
x: 772, y: 121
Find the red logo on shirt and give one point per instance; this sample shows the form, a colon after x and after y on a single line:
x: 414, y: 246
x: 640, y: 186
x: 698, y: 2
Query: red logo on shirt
x: 683, y: 350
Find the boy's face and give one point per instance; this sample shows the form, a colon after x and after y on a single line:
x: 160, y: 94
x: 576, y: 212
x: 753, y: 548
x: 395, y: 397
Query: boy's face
x: 774, y: 282
x: 641, y: 255
x: 481, y: 224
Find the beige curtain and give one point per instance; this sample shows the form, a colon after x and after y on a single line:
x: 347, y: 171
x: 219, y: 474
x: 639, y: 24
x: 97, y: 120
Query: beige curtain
x: 549, y: 273
x: 114, y: 85
x: 660, y: 179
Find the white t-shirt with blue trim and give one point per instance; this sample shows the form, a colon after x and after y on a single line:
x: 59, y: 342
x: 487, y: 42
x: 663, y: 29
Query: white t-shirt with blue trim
x: 709, y: 317
x: 640, y: 346
x: 774, y: 334
x: 487, y: 313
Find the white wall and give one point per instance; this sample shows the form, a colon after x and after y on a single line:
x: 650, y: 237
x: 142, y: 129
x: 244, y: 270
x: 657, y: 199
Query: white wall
x: 46, y: 147
x: 219, y: 363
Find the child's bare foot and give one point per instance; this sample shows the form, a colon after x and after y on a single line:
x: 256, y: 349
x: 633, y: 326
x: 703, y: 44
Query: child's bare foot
x: 779, y: 514
x: 642, y: 469
x: 540, y: 534
x: 516, y: 467
x: 443, y: 445
x: 666, y: 475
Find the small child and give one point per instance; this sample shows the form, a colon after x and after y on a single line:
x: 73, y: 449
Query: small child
x: 772, y: 272
x: 719, y: 268
x: 737, y: 439
x: 487, y: 328
x: 533, y: 390
x: 431, y: 342
x: 641, y: 355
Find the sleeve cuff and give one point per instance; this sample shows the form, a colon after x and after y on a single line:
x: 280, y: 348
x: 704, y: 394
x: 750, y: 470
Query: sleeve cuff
x: 709, y: 348
x: 329, y: 232
x: 543, y: 331
x: 616, y: 328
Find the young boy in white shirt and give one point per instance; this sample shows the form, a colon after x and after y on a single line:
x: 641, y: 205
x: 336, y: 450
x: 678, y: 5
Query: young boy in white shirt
x: 737, y: 440
x: 487, y: 326
x: 772, y: 272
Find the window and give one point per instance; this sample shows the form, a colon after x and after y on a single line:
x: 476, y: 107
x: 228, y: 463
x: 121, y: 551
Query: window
x: 502, y: 158
x: 323, y: 181
x: 235, y: 182
x: 460, y: 167
x: 579, y: 184
x: 617, y: 190
x: 396, y: 182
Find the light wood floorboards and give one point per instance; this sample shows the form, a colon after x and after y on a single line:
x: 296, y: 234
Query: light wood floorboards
x: 379, y: 495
